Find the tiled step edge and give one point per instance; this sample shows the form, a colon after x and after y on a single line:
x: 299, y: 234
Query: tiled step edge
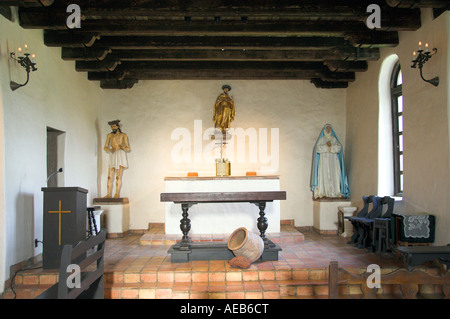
x: 159, y: 239
x: 218, y: 290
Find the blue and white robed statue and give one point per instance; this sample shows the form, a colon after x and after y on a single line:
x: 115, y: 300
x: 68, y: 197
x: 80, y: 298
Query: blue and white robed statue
x: 329, y: 178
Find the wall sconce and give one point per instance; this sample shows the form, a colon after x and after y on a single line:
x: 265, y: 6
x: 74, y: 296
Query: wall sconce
x: 24, y: 60
x: 421, y: 57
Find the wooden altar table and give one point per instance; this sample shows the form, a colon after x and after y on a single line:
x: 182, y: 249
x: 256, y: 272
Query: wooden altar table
x: 221, y: 218
x: 186, y: 250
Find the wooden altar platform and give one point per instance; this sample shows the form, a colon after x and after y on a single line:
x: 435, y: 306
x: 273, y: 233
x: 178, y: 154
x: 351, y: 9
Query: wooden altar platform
x: 186, y: 250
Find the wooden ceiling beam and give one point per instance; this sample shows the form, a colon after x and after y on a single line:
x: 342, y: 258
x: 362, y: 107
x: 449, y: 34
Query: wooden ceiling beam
x: 224, y: 65
x: 85, y: 54
x: 26, y: 3
x: 51, y: 19
x: 354, y: 12
x: 6, y: 12
x: 342, y: 6
x: 70, y: 39
x: 346, y: 66
x: 118, y: 84
x: 98, y: 54
x: 73, y: 39
x: 110, y: 64
x: 319, y: 83
x: 323, y: 8
x: 102, y: 66
x: 226, y: 55
x: 412, y: 4
x: 130, y: 27
x: 359, y: 54
x: 373, y: 39
x: 241, y: 74
x: 226, y: 70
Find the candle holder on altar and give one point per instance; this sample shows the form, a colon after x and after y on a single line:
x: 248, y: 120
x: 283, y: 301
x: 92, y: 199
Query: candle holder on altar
x: 223, y: 167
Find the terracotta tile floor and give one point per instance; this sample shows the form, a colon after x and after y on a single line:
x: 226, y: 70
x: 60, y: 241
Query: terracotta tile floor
x: 138, y: 266
x: 300, y: 250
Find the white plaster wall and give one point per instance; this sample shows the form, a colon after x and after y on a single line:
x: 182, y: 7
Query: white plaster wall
x: 58, y: 97
x: 426, y: 127
x: 2, y: 198
x: 153, y: 110
x: 447, y: 27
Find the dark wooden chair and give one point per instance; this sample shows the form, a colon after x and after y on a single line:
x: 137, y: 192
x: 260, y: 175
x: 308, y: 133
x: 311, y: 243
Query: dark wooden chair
x: 88, y: 255
x: 91, y: 220
x: 362, y: 213
x: 382, y: 228
x: 365, y: 224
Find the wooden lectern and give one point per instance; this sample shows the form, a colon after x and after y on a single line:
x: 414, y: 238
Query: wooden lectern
x: 65, y: 211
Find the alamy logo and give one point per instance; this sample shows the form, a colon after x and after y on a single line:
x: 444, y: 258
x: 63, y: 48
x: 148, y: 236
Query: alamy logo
x: 74, y: 20
x: 374, y: 20
x: 251, y: 145
x: 74, y: 279
x: 374, y: 279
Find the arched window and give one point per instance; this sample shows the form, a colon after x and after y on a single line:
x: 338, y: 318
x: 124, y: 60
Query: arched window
x: 397, y: 128
x: 390, y: 128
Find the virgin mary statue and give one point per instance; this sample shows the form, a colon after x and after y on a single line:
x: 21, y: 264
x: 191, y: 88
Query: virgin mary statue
x: 328, y: 178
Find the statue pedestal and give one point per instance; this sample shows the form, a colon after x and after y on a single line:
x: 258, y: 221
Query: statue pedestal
x: 325, y: 212
x: 345, y: 226
x: 116, y: 215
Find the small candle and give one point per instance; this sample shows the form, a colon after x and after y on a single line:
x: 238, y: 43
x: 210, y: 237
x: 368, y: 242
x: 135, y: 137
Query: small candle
x: 26, y: 47
x: 20, y: 52
x: 414, y: 53
x: 33, y: 58
x: 420, y: 45
x: 426, y: 47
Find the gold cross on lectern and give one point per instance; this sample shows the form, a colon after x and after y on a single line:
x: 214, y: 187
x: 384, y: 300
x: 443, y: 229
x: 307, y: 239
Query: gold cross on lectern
x: 59, y: 212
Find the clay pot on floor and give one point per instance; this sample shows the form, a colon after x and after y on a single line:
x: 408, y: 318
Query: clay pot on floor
x: 244, y: 243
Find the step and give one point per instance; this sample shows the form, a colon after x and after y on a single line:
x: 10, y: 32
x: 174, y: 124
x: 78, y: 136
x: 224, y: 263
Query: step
x: 219, y: 290
x: 210, y: 283
x: 151, y: 238
x: 25, y: 291
x: 314, y: 285
x: 267, y: 289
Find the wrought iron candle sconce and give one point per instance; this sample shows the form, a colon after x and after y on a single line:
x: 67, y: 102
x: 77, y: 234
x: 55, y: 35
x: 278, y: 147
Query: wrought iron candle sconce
x: 24, y: 60
x: 421, y: 57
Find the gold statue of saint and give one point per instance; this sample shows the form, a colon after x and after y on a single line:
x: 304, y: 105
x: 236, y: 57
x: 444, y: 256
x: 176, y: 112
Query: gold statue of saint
x: 116, y: 145
x: 224, y: 110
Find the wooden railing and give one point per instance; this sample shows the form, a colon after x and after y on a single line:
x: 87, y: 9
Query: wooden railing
x: 408, y: 281
x: 88, y: 256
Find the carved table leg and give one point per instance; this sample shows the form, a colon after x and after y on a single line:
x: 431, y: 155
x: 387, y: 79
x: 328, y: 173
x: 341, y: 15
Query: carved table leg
x: 263, y: 224
x: 185, y: 227
x: 262, y: 220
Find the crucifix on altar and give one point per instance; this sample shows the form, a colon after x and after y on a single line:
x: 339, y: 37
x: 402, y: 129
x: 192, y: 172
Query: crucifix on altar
x: 65, y: 211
